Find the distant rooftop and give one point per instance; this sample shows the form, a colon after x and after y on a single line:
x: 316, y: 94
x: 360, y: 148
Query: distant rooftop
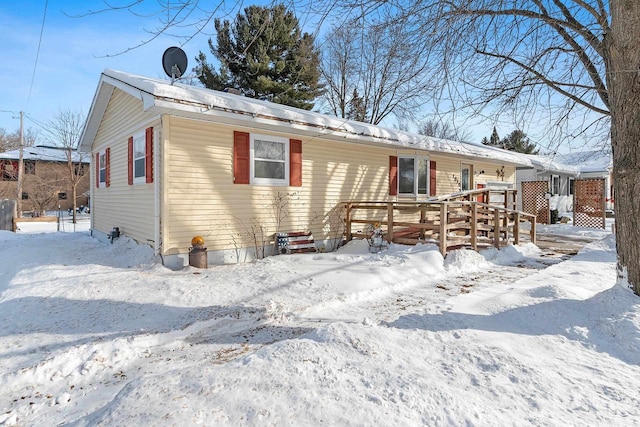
x: 44, y: 153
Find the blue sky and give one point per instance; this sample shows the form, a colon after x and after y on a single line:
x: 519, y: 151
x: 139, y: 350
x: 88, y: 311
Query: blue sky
x: 75, y: 50
x: 72, y: 55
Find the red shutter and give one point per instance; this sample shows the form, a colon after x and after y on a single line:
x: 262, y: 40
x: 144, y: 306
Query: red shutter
x: 393, y: 175
x: 241, y: 158
x: 432, y: 178
x: 130, y: 160
x: 148, y: 165
x: 97, y: 168
x: 107, y: 158
x: 295, y: 163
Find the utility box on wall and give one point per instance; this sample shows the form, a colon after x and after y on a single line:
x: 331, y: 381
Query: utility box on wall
x: 8, y: 214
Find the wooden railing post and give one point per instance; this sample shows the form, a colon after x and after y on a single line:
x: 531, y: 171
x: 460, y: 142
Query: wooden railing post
x: 496, y: 228
x: 532, y: 219
x: 516, y: 228
x: 444, y: 221
x: 347, y: 219
x: 474, y: 226
x: 390, y: 222
x: 423, y: 219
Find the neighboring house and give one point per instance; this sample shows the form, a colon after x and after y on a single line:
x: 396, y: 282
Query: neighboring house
x: 174, y: 161
x: 593, y: 164
x: 560, y: 177
x: 46, y: 184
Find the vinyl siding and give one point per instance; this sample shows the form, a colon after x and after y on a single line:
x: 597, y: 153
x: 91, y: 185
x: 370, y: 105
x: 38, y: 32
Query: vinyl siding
x: 201, y: 198
x: 129, y: 207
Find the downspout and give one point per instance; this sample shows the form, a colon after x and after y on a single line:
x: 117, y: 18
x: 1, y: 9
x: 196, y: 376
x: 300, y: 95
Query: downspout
x: 156, y: 190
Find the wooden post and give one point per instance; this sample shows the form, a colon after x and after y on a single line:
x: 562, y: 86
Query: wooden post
x: 423, y: 219
x: 474, y: 227
x: 444, y: 220
x: 516, y: 229
x: 505, y: 223
x: 506, y: 199
x: 390, y: 222
x: 533, y: 229
x: 347, y: 220
x: 496, y: 228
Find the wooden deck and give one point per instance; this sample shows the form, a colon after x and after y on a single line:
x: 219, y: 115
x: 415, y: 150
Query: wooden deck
x: 451, y: 221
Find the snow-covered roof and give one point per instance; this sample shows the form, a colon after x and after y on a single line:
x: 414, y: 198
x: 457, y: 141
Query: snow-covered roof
x: 44, y: 154
x: 191, y: 101
x: 551, y: 164
x: 589, y: 161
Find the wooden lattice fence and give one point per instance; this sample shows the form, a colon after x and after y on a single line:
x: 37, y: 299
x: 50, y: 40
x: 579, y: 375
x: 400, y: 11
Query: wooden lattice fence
x: 589, y: 198
x: 534, y: 201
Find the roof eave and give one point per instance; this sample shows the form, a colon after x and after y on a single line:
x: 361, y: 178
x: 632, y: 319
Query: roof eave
x: 99, y: 105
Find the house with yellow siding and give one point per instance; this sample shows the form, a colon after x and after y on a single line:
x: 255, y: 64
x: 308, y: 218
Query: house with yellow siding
x: 172, y: 161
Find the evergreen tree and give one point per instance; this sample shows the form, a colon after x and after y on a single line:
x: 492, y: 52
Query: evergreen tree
x: 357, y: 109
x: 494, y: 140
x: 517, y: 141
x: 264, y: 55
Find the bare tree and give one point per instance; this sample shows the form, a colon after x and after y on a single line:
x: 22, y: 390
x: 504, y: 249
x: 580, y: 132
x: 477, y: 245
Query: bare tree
x: 43, y: 188
x: 572, y: 64
x: 442, y: 130
x: 64, y: 131
x: 11, y: 141
x: 370, y: 72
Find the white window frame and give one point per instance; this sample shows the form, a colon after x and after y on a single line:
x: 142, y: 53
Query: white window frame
x: 570, y: 188
x: 553, y: 185
x: 140, y: 138
x: 416, y: 165
x: 269, y: 181
x: 469, y: 167
x: 102, y: 166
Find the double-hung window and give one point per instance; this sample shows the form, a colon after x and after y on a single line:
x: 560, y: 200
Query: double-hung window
x: 269, y: 160
x: 139, y: 158
x: 555, y: 184
x: 102, y: 168
x: 413, y: 176
x: 465, y: 177
x: 570, y: 184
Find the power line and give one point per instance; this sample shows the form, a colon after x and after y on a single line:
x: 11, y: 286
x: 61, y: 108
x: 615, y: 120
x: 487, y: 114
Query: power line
x: 35, y: 65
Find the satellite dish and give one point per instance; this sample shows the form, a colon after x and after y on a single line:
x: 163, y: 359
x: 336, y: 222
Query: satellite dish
x: 174, y: 62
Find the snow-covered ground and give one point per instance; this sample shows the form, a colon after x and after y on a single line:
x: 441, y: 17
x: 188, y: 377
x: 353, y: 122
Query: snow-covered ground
x: 102, y: 334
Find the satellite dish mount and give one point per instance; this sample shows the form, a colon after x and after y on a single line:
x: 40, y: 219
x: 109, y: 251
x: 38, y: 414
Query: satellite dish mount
x: 174, y: 62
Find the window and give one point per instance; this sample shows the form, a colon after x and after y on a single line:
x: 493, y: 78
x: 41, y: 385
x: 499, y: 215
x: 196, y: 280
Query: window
x: 465, y: 178
x: 102, y: 168
x: 269, y: 160
x: 29, y: 167
x: 62, y: 196
x: 79, y: 169
x: 555, y: 184
x: 102, y: 165
x: 9, y: 170
x: 570, y: 184
x: 139, y: 158
x: 413, y: 176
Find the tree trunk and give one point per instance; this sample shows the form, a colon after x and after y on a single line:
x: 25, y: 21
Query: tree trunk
x: 623, y: 76
x: 75, y: 202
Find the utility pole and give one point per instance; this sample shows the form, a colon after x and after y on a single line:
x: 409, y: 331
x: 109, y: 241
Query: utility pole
x: 21, y: 165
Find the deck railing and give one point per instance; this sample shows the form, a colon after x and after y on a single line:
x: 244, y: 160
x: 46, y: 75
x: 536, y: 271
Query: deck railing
x: 451, y: 221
